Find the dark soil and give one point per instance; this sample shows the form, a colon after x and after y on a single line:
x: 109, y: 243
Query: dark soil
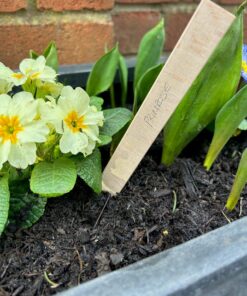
x: 83, y: 236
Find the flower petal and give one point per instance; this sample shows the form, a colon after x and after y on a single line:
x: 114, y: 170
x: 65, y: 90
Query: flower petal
x: 48, y: 74
x: 92, y: 132
x: 22, y: 155
x: 76, y: 99
x: 4, y: 152
x: 5, y: 101
x: 73, y: 142
x: 51, y: 114
x: 89, y: 149
x: 35, y: 131
x: 23, y: 105
x: 93, y: 117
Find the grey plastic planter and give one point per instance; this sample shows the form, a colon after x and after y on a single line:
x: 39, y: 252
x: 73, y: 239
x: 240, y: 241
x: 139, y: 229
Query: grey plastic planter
x: 214, y: 264
x: 210, y: 265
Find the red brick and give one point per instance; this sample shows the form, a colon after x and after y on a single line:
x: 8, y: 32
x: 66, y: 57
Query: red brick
x: 77, y: 42
x: 175, y: 25
x: 157, y: 1
x: 60, y: 5
x: 144, y: 1
x: 131, y: 26
x: 233, y: 2
x: 12, y: 6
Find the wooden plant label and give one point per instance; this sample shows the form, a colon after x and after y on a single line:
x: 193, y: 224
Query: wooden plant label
x: 204, y: 31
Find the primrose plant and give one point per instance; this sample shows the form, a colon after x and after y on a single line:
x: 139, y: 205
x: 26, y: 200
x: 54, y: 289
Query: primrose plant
x: 49, y: 135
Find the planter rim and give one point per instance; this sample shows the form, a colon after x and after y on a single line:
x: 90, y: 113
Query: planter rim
x: 213, y: 264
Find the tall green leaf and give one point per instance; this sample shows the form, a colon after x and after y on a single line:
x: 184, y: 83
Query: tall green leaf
x: 115, y: 120
x: 149, y: 51
x: 239, y: 182
x: 89, y: 169
x: 227, y: 121
x: 103, y: 73
x: 4, y: 202
x: 26, y: 208
x: 123, y: 74
x: 144, y: 85
x: 51, y: 179
x: 51, y: 55
x: 214, y: 86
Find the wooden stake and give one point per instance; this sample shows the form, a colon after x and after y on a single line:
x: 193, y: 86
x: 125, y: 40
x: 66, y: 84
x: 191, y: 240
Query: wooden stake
x: 203, y: 33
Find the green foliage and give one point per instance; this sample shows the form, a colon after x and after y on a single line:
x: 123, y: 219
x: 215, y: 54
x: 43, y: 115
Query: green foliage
x: 144, y: 85
x: 97, y: 102
x: 239, y: 183
x: 104, y: 140
x: 149, y: 51
x: 51, y: 55
x: 25, y: 207
x: 4, y: 202
x: 115, y: 120
x: 227, y: 121
x: 103, y: 73
x: 89, y: 169
x: 123, y: 74
x: 214, y: 86
x: 51, y: 179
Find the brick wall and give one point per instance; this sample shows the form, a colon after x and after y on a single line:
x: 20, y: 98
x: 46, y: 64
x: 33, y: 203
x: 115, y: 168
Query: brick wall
x: 82, y: 28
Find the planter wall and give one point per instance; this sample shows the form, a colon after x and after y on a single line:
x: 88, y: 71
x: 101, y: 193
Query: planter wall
x: 213, y: 264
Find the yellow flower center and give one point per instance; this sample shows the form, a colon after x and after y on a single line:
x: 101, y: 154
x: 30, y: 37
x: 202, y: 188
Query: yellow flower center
x: 35, y: 75
x: 9, y: 128
x: 18, y: 75
x: 74, y: 122
x: 244, y: 66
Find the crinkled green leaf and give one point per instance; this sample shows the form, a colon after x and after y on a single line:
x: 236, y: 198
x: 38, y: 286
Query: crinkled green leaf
x: 103, y: 73
x: 51, y: 55
x: 115, y: 120
x: 213, y: 87
x: 239, y: 182
x: 123, y: 74
x: 145, y: 83
x: 104, y: 140
x: 97, y: 102
x: 89, y: 169
x: 51, y: 179
x: 149, y: 51
x: 4, y: 202
x: 227, y: 121
x: 26, y: 208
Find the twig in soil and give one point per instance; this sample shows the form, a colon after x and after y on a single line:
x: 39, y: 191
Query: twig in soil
x: 149, y: 231
x: 49, y: 281
x: 174, y: 201
x: 240, y: 207
x: 81, y: 266
x: 101, y: 213
x: 5, y: 270
x: 18, y: 291
x: 228, y: 219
